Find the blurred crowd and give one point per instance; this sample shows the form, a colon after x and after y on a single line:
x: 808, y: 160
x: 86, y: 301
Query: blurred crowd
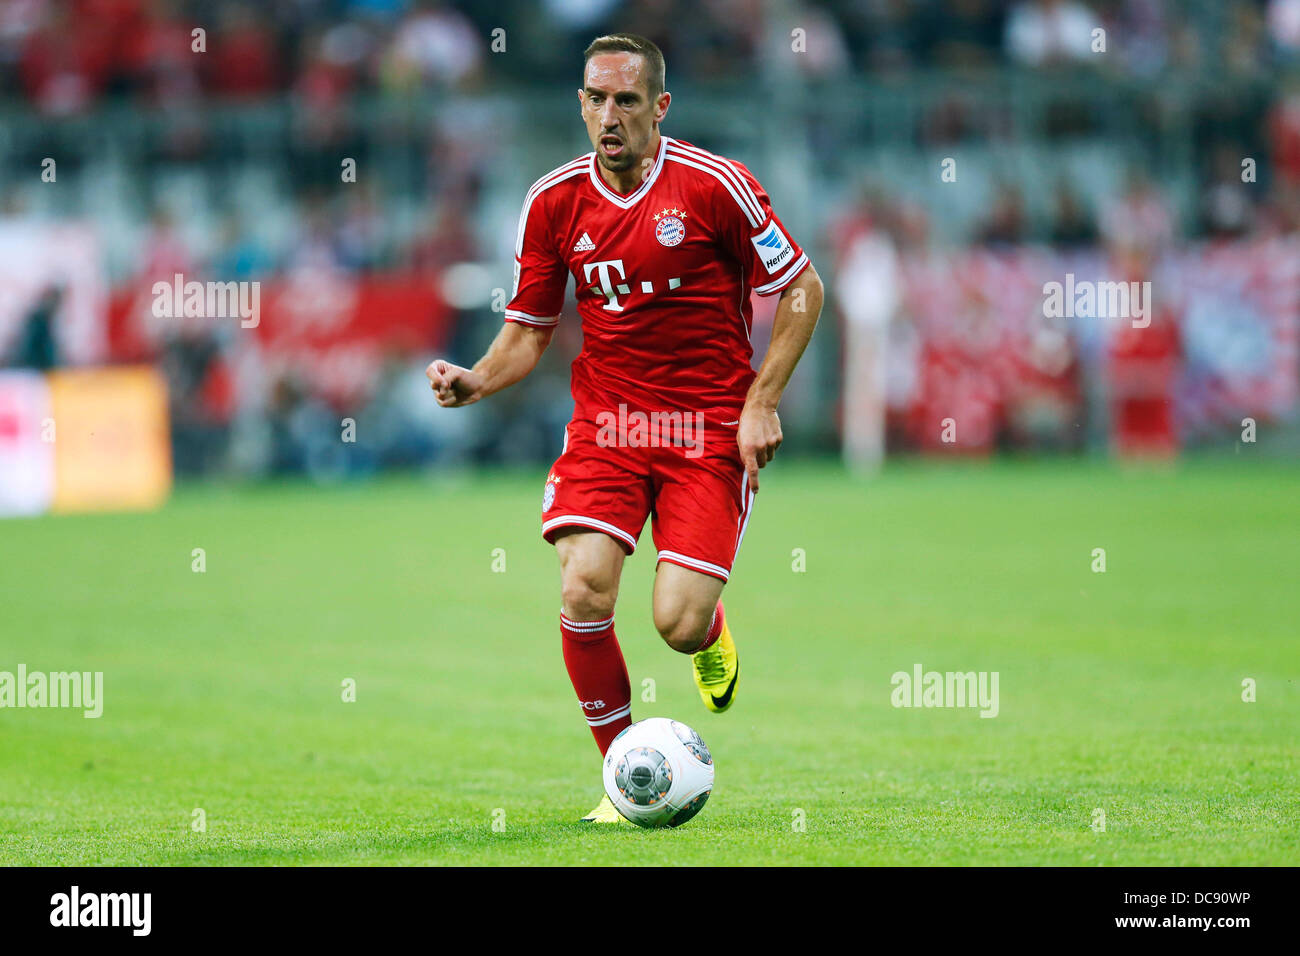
x: 936, y: 333
x: 1133, y: 173
x: 63, y: 56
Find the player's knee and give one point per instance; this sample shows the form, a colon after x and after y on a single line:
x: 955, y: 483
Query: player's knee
x: 587, y: 597
x: 683, y: 630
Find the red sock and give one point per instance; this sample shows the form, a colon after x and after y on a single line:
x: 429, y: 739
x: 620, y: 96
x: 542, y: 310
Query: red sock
x: 596, y: 668
x: 715, y: 628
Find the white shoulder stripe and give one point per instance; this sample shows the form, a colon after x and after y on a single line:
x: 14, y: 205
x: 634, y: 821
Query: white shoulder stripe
x: 722, y: 163
x: 558, y: 175
x: 731, y: 174
x: 754, y: 221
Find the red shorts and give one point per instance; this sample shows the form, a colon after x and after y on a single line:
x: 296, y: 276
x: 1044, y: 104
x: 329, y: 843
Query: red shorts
x: 690, y: 483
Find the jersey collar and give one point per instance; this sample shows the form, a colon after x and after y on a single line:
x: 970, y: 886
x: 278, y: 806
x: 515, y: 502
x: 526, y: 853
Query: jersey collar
x: 635, y: 196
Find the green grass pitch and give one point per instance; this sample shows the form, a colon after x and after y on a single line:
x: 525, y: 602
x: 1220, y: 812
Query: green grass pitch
x: 1119, y: 691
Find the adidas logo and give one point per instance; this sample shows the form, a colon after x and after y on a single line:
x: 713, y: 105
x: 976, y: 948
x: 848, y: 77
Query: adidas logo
x: 584, y: 244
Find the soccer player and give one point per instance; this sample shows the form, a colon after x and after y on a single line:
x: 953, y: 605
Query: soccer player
x: 665, y: 242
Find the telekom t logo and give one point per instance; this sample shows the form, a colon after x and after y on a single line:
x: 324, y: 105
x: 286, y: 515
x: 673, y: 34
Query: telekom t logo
x: 606, y: 285
x: 612, y: 291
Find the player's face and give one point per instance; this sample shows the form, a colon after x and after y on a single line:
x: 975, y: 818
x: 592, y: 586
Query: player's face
x: 618, y: 110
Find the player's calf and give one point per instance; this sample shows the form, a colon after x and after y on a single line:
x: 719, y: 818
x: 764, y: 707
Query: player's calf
x: 590, y: 564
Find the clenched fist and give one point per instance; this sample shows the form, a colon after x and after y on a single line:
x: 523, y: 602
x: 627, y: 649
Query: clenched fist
x: 453, y: 385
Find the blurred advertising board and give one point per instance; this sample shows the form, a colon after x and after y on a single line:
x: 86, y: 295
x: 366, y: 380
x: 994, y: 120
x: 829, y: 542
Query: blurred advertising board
x: 26, y: 451
x: 83, y: 440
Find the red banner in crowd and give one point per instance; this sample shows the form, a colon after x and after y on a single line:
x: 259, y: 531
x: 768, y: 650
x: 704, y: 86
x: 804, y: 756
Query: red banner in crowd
x: 330, y: 332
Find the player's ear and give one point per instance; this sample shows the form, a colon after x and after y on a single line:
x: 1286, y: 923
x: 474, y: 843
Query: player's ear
x: 661, y: 106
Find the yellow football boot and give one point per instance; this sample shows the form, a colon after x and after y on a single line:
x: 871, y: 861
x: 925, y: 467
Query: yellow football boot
x: 604, y: 813
x: 717, y: 669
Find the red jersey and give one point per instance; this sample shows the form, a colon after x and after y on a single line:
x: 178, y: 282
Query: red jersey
x: 663, y: 277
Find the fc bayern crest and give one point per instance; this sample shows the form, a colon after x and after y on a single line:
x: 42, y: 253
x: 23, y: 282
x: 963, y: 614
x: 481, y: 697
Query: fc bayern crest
x: 669, y: 227
x: 548, y: 496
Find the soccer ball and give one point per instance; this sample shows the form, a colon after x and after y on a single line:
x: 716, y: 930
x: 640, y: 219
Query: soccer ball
x: 658, y: 772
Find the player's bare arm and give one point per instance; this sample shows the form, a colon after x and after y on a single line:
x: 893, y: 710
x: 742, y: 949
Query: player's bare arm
x: 759, y: 434
x: 513, y: 354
